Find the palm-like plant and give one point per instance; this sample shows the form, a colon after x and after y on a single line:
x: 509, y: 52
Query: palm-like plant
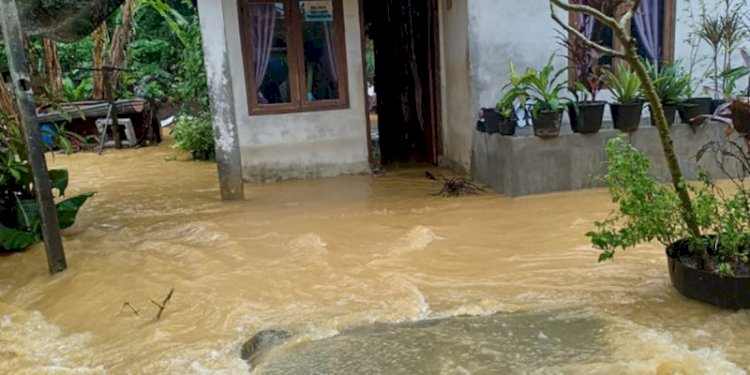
x: 544, y: 88
x: 625, y: 86
x: 670, y: 82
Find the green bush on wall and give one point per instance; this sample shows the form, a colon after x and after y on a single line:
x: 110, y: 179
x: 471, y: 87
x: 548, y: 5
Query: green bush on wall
x: 195, y: 135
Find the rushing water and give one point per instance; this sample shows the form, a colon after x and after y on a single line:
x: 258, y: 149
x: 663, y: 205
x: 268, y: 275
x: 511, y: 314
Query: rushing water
x: 326, y: 259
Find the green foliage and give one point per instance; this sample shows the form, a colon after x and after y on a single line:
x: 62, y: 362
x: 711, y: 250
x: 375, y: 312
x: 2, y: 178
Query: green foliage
x: 191, y: 85
x: 625, y: 86
x: 543, y: 87
x: 20, y: 222
x: 670, y: 82
x: 647, y: 210
x: 76, y: 58
x: 506, y: 104
x: 80, y: 92
x: 195, y: 135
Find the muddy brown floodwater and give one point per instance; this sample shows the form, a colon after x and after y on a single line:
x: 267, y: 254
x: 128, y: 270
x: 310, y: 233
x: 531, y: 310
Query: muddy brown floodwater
x: 326, y: 257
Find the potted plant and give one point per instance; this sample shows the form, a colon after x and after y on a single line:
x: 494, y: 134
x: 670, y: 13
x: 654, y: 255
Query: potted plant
x: 670, y: 84
x: 713, y: 267
x: 586, y: 113
x: 543, y: 87
x: 506, y: 112
x: 705, y: 231
x: 628, y: 106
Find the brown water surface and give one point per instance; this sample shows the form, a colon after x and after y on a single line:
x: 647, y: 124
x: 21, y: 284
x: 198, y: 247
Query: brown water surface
x: 321, y: 257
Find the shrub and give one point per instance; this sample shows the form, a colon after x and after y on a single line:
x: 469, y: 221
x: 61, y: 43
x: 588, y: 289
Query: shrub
x: 195, y: 135
x: 20, y: 220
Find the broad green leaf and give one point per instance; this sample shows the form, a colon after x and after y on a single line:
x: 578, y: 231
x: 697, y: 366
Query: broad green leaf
x: 67, y: 210
x: 59, y: 180
x: 15, y: 240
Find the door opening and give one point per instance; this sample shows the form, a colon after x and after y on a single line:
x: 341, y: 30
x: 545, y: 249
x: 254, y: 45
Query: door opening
x: 402, y: 48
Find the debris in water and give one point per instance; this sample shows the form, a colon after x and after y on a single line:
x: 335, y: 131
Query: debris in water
x: 163, y: 305
x: 456, y: 186
x: 542, y: 336
x: 128, y: 305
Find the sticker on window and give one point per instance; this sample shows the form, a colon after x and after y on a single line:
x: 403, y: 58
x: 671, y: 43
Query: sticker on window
x: 317, y: 10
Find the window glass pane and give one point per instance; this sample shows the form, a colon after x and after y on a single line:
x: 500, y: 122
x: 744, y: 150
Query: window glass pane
x: 320, y: 50
x: 268, y: 32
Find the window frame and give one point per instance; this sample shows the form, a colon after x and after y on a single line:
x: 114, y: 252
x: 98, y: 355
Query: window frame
x: 295, y: 60
x: 668, y: 38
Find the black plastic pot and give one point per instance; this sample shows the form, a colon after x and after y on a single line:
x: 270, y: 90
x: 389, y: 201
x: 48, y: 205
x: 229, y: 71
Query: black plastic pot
x: 495, y: 123
x: 626, y: 117
x: 741, y: 115
x: 588, y: 116
x: 491, y: 120
x: 507, y: 128
x: 693, y: 108
x: 727, y: 292
x: 547, y: 123
x: 670, y: 110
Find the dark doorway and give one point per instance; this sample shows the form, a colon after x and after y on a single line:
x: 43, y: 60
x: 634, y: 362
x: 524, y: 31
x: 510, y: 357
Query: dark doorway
x: 404, y: 41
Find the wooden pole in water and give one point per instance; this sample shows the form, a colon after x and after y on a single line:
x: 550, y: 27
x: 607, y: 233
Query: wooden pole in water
x: 19, y: 70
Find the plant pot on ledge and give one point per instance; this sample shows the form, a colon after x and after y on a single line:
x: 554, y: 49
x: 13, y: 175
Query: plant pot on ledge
x: 626, y: 117
x: 729, y: 292
x: 586, y: 117
x: 495, y: 123
x: 693, y: 108
x: 547, y: 123
x: 670, y: 111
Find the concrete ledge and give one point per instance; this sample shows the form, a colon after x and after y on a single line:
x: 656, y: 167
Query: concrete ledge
x: 526, y: 165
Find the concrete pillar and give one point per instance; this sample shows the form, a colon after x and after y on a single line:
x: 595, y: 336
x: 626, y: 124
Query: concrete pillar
x: 221, y: 97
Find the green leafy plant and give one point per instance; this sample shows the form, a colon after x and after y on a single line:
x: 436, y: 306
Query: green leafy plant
x: 544, y: 87
x: 506, y: 104
x: 195, y: 135
x: 20, y: 222
x: 625, y: 86
x: 648, y: 210
x: 670, y: 82
x: 77, y: 93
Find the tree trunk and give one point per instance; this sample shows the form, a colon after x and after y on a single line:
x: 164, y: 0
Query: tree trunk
x: 120, y: 38
x: 6, y: 101
x: 100, y: 38
x: 118, y: 47
x: 35, y: 73
x: 52, y: 66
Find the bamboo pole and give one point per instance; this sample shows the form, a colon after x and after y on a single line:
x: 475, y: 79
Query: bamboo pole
x: 11, y: 28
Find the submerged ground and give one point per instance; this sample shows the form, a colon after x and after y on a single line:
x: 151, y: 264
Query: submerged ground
x: 325, y: 257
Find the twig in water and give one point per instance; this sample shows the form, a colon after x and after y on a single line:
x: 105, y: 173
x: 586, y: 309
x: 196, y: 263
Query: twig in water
x: 128, y: 305
x: 163, y: 305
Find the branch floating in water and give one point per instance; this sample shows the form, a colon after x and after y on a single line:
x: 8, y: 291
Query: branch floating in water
x: 163, y: 305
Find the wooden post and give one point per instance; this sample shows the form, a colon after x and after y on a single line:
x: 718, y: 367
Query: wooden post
x: 19, y: 69
x: 221, y: 96
x: 110, y: 85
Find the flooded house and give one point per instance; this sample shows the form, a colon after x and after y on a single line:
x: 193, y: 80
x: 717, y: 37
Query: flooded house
x: 295, y: 87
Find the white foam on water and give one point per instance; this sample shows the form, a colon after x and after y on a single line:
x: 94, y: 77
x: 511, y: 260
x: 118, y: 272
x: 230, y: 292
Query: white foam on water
x: 309, y: 241
x: 31, y: 345
x: 418, y: 238
x: 639, y: 350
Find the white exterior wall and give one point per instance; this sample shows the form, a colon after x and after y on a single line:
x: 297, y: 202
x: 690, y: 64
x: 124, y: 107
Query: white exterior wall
x: 306, y: 144
x: 457, y: 100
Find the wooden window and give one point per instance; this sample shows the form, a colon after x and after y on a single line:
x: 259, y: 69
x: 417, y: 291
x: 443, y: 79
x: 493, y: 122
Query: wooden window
x: 665, y: 33
x: 294, y: 55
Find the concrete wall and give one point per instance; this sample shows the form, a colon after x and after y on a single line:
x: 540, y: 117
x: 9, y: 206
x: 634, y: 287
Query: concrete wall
x: 307, y: 144
x: 525, y: 165
x: 458, y: 105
